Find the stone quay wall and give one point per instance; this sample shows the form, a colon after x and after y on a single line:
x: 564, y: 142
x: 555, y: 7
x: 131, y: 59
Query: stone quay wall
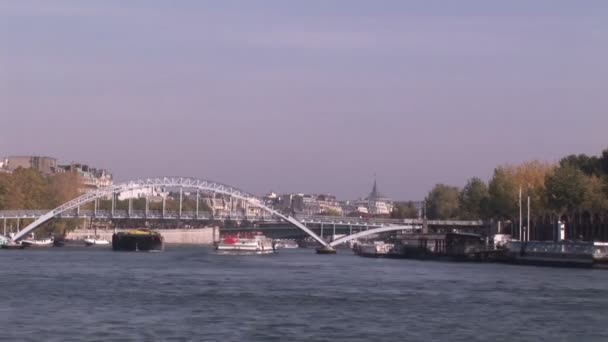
x: 198, y: 236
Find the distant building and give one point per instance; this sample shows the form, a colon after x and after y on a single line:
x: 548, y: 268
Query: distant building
x: 92, y: 178
x: 375, y: 203
x: 45, y: 165
x: 306, y: 204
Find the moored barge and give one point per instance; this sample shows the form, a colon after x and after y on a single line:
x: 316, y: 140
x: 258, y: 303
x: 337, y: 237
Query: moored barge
x: 137, y: 240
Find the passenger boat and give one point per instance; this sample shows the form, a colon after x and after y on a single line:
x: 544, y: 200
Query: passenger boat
x: 96, y: 242
x: 248, y: 244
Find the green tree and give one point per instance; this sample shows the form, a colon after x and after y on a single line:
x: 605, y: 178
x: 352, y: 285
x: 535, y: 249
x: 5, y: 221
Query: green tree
x: 590, y: 166
x: 474, y: 199
x: 443, y: 202
x: 403, y: 210
x: 604, y: 162
x: 566, y: 188
x: 502, y: 191
x: 3, y: 193
x: 29, y: 190
x: 596, y: 197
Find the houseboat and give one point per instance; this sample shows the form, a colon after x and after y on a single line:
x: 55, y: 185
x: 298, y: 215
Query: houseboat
x: 375, y: 250
x: 451, y: 246
x: 551, y: 253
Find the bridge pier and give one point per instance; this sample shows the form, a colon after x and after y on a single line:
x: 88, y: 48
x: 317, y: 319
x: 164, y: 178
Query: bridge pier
x: 113, y: 204
x: 321, y: 231
x: 334, y: 236
x: 197, y: 197
x: 5, y: 226
x: 181, y: 191
x: 130, y: 206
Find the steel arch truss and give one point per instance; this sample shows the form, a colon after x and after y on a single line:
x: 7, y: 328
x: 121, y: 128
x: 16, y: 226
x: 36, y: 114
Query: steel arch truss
x: 167, y: 182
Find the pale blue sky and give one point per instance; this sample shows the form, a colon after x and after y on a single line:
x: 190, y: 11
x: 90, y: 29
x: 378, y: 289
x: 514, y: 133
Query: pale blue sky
x: 306, y: 96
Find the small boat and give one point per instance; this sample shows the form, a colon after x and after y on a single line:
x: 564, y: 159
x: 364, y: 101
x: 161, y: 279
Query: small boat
x: 375, y: 250
x: 326, y: 250
x: 285, y: 244
x: 37, y: 243
x: 96, y: 242
x: 249, y: 244
x: 12, y: 245
x: 600, y: 255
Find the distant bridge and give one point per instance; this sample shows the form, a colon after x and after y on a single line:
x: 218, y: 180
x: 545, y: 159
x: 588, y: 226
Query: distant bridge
x: 208, y: 216
x: 72, y: 209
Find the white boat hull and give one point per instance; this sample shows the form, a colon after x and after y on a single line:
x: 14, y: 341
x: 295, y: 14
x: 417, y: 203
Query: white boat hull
x: 96, y: 242
x: 258, y: 245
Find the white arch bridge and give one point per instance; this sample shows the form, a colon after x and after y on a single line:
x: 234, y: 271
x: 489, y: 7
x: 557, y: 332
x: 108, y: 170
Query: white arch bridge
x: 164, y: 182
x: 206, y: 186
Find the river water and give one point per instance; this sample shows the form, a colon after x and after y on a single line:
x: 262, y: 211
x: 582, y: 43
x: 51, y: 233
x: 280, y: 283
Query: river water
x: 192, y: 294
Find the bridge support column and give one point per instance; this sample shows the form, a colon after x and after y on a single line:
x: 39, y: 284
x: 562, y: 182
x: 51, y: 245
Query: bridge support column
x: 113, y: 204
x: 147, y: 205
x: 78, y: 211
x: 95, y: 204
x: 334, y: 236
x: 350, y: 229
x: 5, y: 226
x: 321, y: 231
x: 197, y: 197
x: 163, y: 212
x: 213, y: 204
x: 181, y: 191
x: 130, y: 206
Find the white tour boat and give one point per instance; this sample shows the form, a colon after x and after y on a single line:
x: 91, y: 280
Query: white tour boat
x: 251, y: 244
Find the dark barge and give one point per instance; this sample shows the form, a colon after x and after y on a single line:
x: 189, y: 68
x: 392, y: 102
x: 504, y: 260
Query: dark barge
x: 137, y: 240
x: 557, y: 254
x: 446, y: 247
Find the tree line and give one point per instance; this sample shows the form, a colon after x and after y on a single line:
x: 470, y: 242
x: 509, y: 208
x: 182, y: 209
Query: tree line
x: 577, y: 184
x: 29, y: 189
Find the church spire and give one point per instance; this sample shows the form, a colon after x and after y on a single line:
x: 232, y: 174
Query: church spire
x: 374, y: 193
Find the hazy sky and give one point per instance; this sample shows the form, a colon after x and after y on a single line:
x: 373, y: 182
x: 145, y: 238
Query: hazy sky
x: 304, y: 96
